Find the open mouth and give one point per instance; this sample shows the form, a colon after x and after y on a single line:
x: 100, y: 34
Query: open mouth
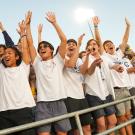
x: 111, y: 48
x: 93, y: 49
x: 71, y: 49
x: 43, y: 52
x: 6, y: 60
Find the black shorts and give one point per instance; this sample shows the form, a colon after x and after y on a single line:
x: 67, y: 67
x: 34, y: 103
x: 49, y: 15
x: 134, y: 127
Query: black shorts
x: 17, y: 117
x: 95, y: 101
x: 132, y: 92
x: 76, y: 105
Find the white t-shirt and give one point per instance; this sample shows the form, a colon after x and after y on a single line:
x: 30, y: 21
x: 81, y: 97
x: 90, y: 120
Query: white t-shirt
x: 73, y: 81
x: 15, y: 92
x: 49, y: 79
x: 118, y: 79
x: 128, y: 64
x: 99, y: 83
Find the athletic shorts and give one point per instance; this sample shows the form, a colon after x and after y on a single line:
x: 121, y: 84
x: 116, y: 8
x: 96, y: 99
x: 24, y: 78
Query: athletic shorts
x: 76, y: 105
x: 46, y: 110
x: 17, y: 117
x: 122, y: 108
x: 96, y: 101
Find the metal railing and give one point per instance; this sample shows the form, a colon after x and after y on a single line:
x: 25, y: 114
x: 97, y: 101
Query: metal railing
x: 69, y: 115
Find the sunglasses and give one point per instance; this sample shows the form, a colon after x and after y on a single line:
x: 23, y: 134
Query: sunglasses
x: 44, y: 45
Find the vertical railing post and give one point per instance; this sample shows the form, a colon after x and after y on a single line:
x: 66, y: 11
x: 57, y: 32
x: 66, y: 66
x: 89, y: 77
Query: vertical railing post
x: 78, y: 124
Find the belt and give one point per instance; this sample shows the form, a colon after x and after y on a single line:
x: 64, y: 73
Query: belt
x: 120, y: 87
x: 117, y: 87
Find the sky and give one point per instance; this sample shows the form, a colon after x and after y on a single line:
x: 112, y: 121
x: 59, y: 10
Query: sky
x: 111, y: 13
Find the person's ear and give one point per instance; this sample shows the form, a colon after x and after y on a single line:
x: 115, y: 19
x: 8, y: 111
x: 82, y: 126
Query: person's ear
x: 17, y: 58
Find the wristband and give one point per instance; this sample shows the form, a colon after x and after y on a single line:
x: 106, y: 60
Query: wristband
x: 95, y: 26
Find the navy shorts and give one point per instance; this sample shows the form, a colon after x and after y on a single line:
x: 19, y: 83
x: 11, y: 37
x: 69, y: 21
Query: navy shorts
x: 95, y: 101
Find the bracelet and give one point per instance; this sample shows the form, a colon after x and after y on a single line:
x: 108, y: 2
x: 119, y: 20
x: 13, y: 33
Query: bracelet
x: 23, y: 36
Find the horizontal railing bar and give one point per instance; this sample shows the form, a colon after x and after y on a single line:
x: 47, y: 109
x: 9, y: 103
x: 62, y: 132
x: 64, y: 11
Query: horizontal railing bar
x: 117, y: 127
x: 46, y: 121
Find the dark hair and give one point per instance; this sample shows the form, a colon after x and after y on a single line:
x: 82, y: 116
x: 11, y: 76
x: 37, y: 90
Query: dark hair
x: 17, y: 53
x: 80, y: 54
x: 91, y: 41
x: 2, y: 45
x: 47, y: 44
x: 71, y: 40
x: 107, y: 41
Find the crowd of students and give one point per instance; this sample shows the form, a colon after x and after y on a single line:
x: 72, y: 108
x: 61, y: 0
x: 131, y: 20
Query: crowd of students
x: 37, y: 85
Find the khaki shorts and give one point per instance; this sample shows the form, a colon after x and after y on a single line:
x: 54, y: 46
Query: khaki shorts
x: 124, y: 107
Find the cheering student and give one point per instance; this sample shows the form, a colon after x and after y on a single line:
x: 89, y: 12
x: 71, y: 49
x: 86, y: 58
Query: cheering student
x: 73, y: 75
x: 16, y: 100
x: 49, y: 77
x: 120, y: 78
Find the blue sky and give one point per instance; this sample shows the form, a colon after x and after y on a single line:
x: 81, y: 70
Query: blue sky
x: 111, y: 13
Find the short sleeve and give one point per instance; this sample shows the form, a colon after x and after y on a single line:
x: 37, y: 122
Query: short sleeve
x: 26, y: 68
x: 58, y: 60
x: 119, y: 53
x: 79, y: 62
x: 36, y: 62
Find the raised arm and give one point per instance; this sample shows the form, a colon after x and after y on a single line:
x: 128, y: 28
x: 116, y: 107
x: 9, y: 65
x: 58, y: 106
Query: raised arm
x: 96, y: 22
x: 32, y: 49
x: 40, y: 28
x: 25, y: 52
x: 7, y: 38
x: 50, y: 16
x: 70, y: 61
x: 125, y: 37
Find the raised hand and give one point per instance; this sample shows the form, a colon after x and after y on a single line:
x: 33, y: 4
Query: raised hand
x: 22, y: 27
x: 1, y: 26
x: 80, y: 39
x: 40, y: 28
x: 95, y: 21
x: 28, y: 17
x: 50, y: 16
x: 127, y: 22
x: 18, y: 31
